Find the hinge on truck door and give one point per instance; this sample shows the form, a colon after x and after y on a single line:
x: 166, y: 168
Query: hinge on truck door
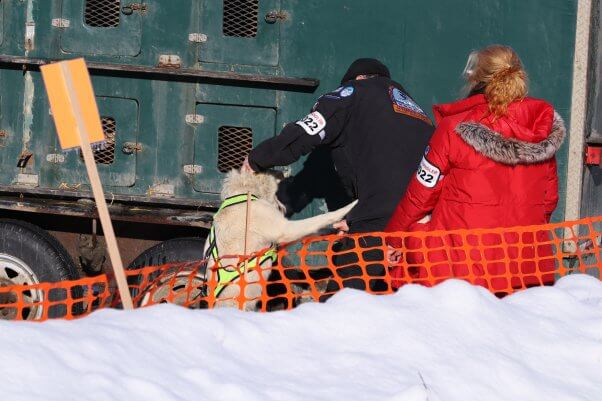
x: 129, y: 9
x: 197, y: 37
x: 193, y: 169
x: 169, y: 61
x: 194, y: 119
x: 60, y: 23
x: 30, y: 34
x: 56, y: 158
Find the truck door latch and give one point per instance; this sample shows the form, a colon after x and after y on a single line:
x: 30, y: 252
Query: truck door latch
x: 129, y: 148
x: 275, y: 16
x: 129, y: 9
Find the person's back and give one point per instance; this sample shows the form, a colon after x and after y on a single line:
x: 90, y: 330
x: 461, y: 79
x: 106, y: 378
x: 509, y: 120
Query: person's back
x: 490, y: 163
x: 376, y: 133
x: 496, y: 176
x: 381, y: 144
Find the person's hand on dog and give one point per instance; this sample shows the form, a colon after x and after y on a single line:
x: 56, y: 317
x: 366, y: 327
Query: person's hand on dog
x: 246, y: 167
x: 393, y: 255
x: 342, y: 226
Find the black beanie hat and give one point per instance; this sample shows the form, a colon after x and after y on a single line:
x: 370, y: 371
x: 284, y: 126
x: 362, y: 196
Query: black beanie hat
x: 366, y: 66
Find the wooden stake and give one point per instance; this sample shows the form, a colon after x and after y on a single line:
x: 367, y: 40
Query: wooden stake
x: 247, y: 230
x: 101, y: 203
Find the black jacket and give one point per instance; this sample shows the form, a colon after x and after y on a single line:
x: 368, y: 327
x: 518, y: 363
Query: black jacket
x: 377, y: 134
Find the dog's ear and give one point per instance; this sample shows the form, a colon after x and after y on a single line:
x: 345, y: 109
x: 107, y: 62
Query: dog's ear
x: 265, y: 186
x: 269, y: 186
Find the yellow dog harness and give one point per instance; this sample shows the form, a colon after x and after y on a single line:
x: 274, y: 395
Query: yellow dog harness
x: 224, y: 276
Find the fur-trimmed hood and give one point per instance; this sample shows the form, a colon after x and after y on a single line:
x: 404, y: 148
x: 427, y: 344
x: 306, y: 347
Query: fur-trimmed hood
x: 512, y: 151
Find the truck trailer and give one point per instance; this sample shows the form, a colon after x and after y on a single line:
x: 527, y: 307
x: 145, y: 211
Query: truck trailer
x: 186, y: 88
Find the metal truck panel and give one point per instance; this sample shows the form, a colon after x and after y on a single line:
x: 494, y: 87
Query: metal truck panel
x: 175, y: 58
x: 233, y: 131
x: 104, y: 29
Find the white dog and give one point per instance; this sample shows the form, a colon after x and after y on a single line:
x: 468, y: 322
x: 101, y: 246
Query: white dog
x: 267, y: 226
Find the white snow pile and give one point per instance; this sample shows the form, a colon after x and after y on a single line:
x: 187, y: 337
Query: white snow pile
x: 454, y: 342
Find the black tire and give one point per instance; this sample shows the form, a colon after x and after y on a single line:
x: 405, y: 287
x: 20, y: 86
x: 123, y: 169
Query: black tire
x: 171, y: 251
x: 42, y: 259
x: 177, y: 250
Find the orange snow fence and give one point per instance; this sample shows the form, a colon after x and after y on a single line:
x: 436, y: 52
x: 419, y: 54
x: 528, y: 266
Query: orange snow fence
x: 502, y: 260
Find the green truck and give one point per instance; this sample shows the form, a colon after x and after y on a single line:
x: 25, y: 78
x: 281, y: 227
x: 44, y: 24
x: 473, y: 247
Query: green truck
x: 185, y: 88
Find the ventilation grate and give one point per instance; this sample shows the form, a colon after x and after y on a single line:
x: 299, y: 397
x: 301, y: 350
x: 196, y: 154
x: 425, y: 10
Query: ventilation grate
x: 240, y: 18
x: 233, y: 145
x: 102, y: 13
x: 106, y: 155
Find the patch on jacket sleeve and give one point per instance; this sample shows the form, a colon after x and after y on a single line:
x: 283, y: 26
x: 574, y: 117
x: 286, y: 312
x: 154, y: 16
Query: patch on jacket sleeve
x: 313, y: 123
x: 403, y: 104
x: 428, y: 174
x: 347, y: 91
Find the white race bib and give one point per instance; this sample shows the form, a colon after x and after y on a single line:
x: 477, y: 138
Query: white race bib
x: 428, y: 174
x: 313, y: 123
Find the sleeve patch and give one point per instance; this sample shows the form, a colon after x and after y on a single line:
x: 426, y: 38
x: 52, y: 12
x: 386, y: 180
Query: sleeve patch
x: 347, y: 91
x: 313, y: 123
x: 428, y: 174
x: 403, y: 104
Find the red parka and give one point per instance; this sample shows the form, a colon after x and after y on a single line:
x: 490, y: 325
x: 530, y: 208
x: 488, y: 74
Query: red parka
x: 485, y: 172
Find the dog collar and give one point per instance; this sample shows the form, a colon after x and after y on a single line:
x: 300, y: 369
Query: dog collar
x: 234, y: 200
x: 225, y: 277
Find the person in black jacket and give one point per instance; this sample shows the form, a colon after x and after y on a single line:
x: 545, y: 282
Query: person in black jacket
x: 377, y: 134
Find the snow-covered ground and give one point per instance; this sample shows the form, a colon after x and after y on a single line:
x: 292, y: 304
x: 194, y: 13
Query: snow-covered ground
x: 453, y: 342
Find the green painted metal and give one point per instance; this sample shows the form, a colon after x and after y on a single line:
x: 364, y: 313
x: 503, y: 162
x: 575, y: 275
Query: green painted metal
x: 11, y: 120
x: 1, y: 23
x: 122, y: 171
x: 261, y: 49
x: 81, y: 38
x: 424, y: 43
x: 260, y: 120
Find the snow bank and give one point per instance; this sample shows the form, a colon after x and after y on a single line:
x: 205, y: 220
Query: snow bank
x: 453, y: 342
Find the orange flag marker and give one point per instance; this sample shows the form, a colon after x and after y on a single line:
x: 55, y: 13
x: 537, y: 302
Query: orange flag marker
x: 78, y: 125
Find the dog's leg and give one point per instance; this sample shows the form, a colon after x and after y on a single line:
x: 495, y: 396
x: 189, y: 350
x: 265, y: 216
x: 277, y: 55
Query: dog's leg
x: 251, y: 287
x: 252, y: 290
x: 293, y: 230
x: 228, y: 297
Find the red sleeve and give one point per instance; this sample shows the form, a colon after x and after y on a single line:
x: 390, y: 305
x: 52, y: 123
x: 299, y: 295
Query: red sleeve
x: 551, y: 199
x: 425, y: 187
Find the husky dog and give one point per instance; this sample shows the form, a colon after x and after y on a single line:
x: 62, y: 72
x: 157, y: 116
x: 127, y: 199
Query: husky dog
x: 267, y: 226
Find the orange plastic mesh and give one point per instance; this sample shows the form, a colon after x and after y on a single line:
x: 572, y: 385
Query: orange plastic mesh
x: 502, y: 260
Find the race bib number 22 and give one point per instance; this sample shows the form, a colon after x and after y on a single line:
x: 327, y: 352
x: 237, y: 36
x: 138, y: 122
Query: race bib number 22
x: 313, y: 123
x: 428, y: 174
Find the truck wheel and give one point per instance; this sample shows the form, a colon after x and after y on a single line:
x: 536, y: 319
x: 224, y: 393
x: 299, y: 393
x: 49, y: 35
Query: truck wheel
x: 29, y: 255
x: 172, y: 251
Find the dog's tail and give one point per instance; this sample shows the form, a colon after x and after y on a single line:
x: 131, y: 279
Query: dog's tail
x: 296, y: 229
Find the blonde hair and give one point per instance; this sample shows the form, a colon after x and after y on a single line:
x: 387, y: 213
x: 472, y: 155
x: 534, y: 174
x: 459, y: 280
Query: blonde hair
x: 499, y: 72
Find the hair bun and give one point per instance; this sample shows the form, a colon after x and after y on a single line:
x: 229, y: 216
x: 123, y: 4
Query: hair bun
x: 506, y: 72
x: 500, y: 70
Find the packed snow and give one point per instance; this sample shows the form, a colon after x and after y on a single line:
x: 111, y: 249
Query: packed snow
x: 454, y: 342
